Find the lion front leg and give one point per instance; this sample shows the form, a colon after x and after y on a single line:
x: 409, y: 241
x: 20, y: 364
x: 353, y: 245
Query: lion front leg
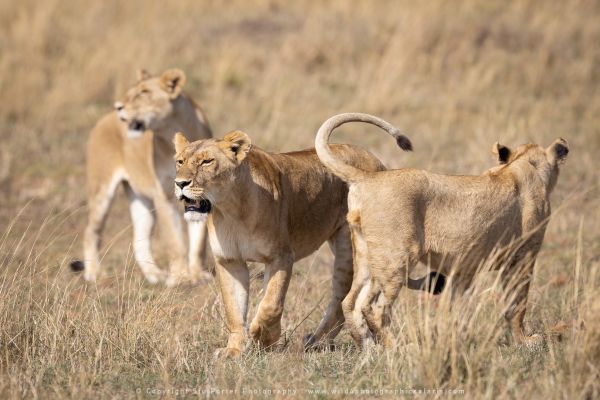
x: 198, y: 246
x: 266, y: 325
x: 142, y: 218
x: 233, y: 279
x: 170, y: 223
x: 519, y: 281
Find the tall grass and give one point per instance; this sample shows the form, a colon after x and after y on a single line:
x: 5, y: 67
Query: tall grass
x: 61, y: 337
x: 454, y: 76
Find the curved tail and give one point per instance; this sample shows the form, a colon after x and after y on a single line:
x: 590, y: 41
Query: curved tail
x: 343, y: 170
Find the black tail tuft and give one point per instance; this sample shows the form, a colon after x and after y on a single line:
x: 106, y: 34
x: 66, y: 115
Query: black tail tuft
x: 437, y: 282
x: 77, y: 266
x: 403, y: 142
x: 433, y: 283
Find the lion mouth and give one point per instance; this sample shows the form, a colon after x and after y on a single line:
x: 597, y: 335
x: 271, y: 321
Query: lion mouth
x: 137, y: 125
x: 202, y: 206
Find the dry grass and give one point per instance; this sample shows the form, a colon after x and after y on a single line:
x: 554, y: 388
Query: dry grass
x: 455, y: 76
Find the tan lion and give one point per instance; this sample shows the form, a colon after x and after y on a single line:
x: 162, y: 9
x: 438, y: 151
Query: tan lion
x: 273, y: 209
x: 401, y: 217
x: 133, y: 146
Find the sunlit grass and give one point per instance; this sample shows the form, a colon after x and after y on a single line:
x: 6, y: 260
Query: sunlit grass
x: 454, y: 77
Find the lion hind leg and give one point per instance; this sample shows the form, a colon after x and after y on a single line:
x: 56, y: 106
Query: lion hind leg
x: 99, y: 201
x: 333, y: 320
x: 372, y: 311
x: 390, y: 275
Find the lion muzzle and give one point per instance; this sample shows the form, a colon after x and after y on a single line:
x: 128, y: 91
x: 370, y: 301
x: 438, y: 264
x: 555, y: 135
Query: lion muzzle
x: 202, y: 206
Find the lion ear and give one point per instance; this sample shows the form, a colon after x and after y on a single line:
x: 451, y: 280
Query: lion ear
x: 180, y: 142
x: 502, y: 152
x: 238, y: 143
x: 557, y: 152
x: 172, y: 81
x: 142, y: 74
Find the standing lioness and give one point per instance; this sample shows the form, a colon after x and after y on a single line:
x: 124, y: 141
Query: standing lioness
x: 269, y: 208
x: 401, y: 217
x: 133, y: 146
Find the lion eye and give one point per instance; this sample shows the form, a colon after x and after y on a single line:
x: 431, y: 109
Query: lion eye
x: 179, y: 162
x: 208, y: 161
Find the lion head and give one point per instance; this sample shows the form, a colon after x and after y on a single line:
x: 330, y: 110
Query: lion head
x: 150, y: 102
x: 205, y: 169
x: 545, y: 161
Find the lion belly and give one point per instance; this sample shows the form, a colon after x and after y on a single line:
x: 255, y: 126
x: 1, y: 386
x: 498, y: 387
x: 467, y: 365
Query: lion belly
x: 317, y: 202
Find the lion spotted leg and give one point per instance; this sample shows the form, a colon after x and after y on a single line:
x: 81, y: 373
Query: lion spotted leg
x: 99, y: 202
x: 143, y: 222
x: 333, y: 320
x: 266, y: 325
x: 233, y: 279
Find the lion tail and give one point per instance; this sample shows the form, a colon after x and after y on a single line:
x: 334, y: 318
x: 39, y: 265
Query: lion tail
x: 77, y: 266
x: 347, y: 172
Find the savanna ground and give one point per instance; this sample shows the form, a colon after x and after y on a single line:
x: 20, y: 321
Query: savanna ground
x: 455, y: 76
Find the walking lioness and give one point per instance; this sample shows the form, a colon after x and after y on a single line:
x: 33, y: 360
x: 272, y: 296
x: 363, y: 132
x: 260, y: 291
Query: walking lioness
x: 401, y: 217
x: 133, y: 146
x: 269, y: 208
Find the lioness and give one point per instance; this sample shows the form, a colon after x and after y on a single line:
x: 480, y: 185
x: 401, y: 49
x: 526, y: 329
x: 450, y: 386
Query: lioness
x: 401, y: 217
x: 268, y: 208
x: 133, y: 145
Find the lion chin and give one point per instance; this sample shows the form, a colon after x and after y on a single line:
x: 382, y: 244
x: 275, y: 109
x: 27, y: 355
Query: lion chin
x: 134, y: 134
x: 195, y: 216
x: 196, y: 210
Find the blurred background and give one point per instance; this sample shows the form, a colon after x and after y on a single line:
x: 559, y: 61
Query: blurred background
x: 454, y: 76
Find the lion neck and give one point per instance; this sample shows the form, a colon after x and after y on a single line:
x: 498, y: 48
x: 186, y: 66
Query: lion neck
x: 527, y: 175
x: 185, y: 117
x: 233, y: 201
x: 252, y: 190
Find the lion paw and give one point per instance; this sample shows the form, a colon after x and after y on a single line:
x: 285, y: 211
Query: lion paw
x: 180, y: 279
x: 266, y: 336
x: 227, y: 353
x: 89, y: 276
x: 310, y: 344
x: 153, y: 277
x: 533, y: 341
x: 204, y: 277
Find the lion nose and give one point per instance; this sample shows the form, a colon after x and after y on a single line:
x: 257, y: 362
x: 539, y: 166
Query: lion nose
x: 182, y: 184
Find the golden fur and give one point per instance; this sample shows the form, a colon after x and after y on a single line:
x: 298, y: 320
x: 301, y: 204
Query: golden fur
x: 401, y: 217
x: 272, y: 209
x: 133, y: 146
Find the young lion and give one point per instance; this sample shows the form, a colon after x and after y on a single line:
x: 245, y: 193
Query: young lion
x: 401, y: 217
x: 269, y: 208
x: 133, y: 145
